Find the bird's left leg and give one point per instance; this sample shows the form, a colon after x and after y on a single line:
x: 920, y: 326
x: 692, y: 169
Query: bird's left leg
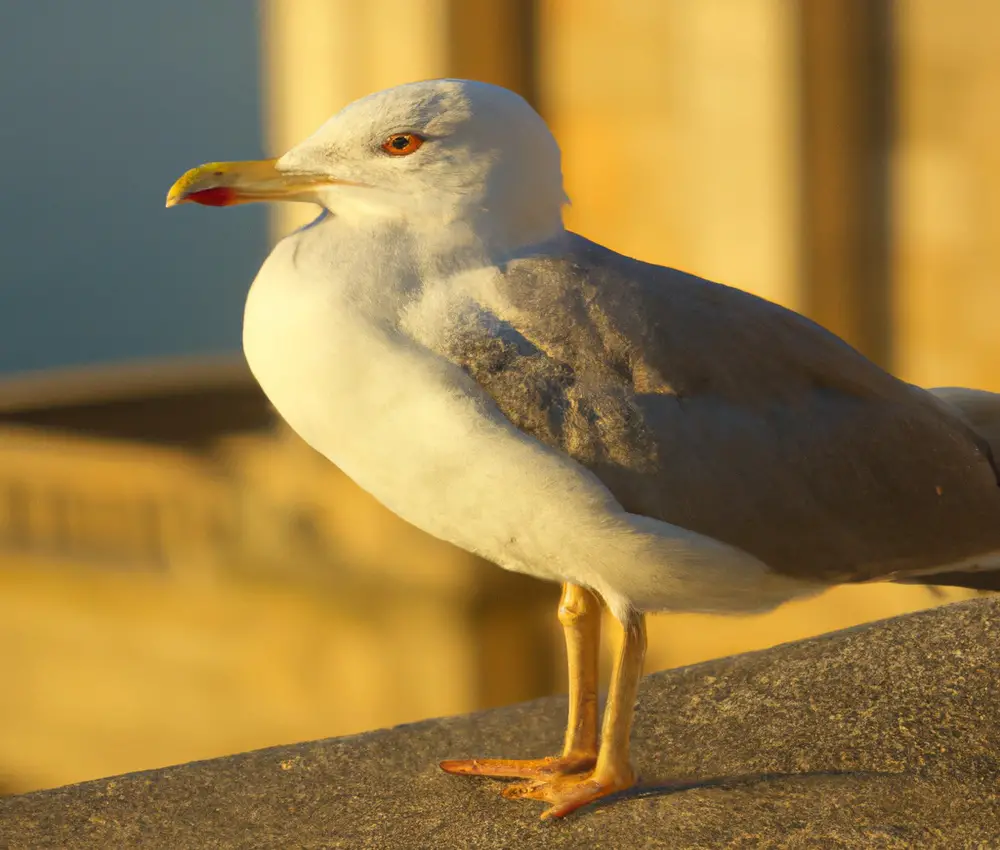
x: 580, y: 615
x: 613, y: 771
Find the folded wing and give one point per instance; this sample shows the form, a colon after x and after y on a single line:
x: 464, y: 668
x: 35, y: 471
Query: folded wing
x: 709, y: 408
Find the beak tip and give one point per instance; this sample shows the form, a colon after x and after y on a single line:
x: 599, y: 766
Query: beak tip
x: 175, y: 197
x: 224, y: 184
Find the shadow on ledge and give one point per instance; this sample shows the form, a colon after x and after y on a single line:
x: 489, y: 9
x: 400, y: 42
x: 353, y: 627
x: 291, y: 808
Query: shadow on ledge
x: 884, y: 736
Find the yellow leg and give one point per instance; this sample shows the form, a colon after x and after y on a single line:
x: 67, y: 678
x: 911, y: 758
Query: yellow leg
x: 580, y: 615
x: 613, y: 771
x: 614, y: 763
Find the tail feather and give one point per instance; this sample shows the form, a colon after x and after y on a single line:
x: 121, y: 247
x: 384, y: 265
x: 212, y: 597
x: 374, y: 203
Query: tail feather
x: 980, y: 410
x: 972, y: 580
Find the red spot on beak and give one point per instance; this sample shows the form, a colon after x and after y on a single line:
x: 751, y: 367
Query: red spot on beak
x: 220, y: 196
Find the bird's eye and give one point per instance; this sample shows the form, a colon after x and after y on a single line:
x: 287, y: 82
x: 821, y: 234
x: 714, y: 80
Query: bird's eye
x: 402, y: 144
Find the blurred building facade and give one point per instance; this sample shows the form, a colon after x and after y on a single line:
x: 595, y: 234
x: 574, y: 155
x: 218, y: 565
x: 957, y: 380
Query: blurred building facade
x: 183, y: 577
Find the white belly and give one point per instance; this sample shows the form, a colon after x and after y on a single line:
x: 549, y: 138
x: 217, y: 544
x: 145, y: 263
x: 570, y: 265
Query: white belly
x: 411, y: 429
x: 403, y: 425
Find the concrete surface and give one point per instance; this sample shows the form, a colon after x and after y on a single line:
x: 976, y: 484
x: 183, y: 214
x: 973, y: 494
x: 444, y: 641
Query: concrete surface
x: 883, y: 736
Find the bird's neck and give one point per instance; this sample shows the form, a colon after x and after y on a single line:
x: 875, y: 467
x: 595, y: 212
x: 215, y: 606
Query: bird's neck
x: 477, y: 239
x: 491, y: 225
x: 376, y: 267
x: 508, y: 235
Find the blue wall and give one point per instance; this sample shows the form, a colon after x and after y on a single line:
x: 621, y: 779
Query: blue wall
x: 103, y: 103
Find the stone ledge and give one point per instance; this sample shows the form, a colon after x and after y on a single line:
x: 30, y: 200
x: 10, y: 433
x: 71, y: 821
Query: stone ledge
x: 886, y: 735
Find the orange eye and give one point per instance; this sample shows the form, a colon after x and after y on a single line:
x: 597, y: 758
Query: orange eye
x: 402, y: 144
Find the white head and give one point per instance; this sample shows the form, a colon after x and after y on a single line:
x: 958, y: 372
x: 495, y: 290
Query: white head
x: 433, y: 153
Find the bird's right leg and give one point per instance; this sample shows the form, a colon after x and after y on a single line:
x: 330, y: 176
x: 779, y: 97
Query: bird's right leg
x: 580, y: 615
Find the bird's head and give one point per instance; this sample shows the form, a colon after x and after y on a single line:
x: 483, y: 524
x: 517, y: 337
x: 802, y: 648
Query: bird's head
x: 433, y: 151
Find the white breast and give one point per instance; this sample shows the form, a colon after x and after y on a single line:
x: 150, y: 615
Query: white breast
x: 415, y: 432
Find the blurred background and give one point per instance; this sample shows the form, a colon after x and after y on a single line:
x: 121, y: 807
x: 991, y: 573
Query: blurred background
x: 180, y: 577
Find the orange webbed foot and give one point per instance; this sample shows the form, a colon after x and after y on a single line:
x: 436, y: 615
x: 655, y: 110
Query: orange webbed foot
x: 566, y: 782
x: 540, y: 769
x: 569, y: 792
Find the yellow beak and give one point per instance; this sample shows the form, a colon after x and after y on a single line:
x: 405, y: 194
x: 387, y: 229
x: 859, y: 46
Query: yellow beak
x: 223, y: 184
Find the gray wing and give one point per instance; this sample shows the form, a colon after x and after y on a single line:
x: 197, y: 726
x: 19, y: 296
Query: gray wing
x: 720, y: 412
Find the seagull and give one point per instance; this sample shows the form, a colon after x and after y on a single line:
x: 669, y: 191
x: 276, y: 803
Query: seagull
x: 651, y: 440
